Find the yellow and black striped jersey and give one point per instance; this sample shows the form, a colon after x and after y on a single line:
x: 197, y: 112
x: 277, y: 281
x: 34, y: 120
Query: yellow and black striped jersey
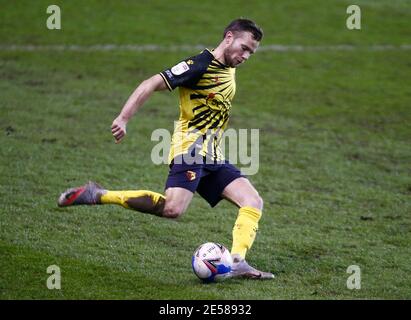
x: 206, y: 88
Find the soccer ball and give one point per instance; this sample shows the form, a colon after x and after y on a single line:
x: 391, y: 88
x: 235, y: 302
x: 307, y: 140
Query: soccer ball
x: 211, y: 261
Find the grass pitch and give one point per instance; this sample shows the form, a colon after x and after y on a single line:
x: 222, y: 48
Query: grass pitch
x: 334, y: 151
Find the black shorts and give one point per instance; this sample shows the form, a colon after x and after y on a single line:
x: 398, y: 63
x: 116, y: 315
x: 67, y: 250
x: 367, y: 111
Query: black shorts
x: 209, y: 180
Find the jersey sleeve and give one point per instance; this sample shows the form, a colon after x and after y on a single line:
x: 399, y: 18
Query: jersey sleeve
x: 185, y: 73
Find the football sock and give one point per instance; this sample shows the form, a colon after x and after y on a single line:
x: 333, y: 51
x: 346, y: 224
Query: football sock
x: 141, y: 200
x: 245, y: 229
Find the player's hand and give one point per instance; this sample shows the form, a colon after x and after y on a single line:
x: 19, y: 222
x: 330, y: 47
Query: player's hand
x: 118, y: 129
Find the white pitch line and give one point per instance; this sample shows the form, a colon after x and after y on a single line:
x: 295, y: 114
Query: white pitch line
x: 339, y: 47
x: 178, y: 48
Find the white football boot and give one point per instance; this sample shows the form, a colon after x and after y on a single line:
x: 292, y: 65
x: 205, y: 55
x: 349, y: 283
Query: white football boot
x: 241, y: 269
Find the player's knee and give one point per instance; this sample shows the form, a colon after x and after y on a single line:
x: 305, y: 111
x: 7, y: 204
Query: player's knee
x: 255, y: 201
x: 173, y: 211
x: 259, y: 202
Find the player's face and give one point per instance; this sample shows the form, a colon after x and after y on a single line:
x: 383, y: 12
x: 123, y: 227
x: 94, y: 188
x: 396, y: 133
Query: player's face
x: 241, y: 46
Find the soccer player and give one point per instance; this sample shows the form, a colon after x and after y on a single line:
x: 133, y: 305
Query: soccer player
x: 207, y: 86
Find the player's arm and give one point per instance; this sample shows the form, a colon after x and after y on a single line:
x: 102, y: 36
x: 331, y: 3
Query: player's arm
x: 134, y: 102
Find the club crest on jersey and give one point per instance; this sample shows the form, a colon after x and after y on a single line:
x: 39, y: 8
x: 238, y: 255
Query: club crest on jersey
x: 180, y: 68
x: 191, y: 176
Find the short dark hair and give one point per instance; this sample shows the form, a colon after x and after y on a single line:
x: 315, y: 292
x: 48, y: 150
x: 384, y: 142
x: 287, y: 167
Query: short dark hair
x: 245, y: 25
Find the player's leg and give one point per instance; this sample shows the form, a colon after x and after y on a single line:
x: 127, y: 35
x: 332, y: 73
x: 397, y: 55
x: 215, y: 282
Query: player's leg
x: 145, y: 201
x: 181, y: 184
x: 227, y: 182
x: 172, y: 205
x: 91, y: 193
x: 177, y: 202
x: 242, y: 193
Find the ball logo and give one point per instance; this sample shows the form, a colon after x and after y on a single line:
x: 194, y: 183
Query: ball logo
x: 211, y: 262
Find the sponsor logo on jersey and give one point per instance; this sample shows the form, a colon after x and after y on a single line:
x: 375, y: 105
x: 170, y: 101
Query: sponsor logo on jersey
x: 180, y: 68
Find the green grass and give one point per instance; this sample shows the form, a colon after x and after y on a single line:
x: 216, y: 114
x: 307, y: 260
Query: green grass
x: 334, y: 152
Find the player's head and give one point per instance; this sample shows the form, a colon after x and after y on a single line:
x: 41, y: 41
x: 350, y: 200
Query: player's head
x: 241, y: 39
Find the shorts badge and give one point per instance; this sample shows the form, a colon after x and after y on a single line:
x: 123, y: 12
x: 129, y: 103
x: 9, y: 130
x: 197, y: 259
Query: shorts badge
x: 191, y: 176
